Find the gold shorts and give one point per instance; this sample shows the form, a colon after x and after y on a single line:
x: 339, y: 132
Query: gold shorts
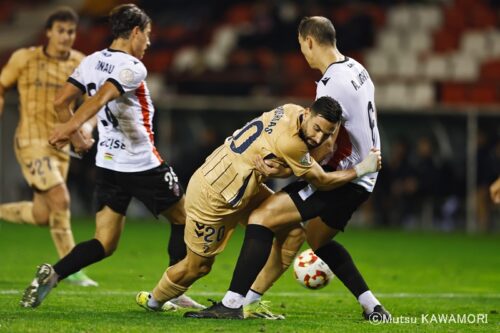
x: 210, y: 220
x: 43, y: 167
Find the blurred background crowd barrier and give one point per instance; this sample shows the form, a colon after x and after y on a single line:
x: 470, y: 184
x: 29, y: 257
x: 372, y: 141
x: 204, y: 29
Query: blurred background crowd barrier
x: 213, y: 65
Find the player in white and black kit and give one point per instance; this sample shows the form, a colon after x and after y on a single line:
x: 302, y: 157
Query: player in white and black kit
x: 128, y: 164
x: 327, y: 212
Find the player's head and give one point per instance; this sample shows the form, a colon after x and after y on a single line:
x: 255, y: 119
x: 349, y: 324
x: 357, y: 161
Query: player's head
x: 131, y: 23
x: 60, y: 29
x: 320, y: 121
x: 315, y: 32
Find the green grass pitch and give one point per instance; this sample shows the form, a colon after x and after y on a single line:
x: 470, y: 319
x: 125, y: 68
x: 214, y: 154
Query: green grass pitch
x: 415, y: 275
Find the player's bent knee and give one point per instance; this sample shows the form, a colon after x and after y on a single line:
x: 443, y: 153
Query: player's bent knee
x: 263, y: 217
x: 41, y: 219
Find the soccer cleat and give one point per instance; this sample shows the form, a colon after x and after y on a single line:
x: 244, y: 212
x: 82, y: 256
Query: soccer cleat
x: 143, y: 297
x: 45, y: 279
x: 187, y: 302
x: 260, y: 310
x: 81, y: 279
x: 378, y: 314
x: 216, y: 311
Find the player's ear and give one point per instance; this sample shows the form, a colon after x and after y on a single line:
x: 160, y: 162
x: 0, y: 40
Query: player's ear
x: 309, y: 41
x: 135, y: 31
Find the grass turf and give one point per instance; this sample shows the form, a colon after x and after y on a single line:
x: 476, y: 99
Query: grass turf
x: 414, y: 275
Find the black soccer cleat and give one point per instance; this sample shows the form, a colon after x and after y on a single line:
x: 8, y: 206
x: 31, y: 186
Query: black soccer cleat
x: 379, y: 314
x: 216, y: 311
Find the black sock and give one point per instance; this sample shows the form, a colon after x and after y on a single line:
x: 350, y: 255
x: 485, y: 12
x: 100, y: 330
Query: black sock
x: 341, y: 264
x: 176, y: 246
x: 82, y: 255
x: 253, y: 256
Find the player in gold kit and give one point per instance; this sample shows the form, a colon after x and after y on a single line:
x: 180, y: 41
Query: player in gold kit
x: 39, y: 72
x: 227, y: 187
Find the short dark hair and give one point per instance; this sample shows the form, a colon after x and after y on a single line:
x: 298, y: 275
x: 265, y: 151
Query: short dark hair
x: 126, y: 17
x: 63, y: 14
x: 320, y: 28
x: 327, y: 108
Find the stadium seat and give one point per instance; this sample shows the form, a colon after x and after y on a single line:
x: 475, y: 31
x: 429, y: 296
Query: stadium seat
x: 389, y: 40
x: 436, y: 67
x: 428, y: 18
x: 378, y: 64
x: 453, y: 93
x: 464, y: 68
x: 475, y: 44
x: 483, y: 93
x: 407, y: 65
x: 418, y: 41
x: 491, y: 70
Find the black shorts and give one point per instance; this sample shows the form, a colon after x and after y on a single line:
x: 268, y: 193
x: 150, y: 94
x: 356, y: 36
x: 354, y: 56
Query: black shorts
x: 157, y: 189
x: 335, y: 207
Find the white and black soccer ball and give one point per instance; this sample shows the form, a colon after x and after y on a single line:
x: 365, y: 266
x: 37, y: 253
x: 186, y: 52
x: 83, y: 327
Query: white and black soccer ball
x: 310, y: 271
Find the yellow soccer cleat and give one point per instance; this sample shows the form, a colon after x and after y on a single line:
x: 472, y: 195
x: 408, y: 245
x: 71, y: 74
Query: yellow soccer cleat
x: 260, y: 310
x: 143, y: 297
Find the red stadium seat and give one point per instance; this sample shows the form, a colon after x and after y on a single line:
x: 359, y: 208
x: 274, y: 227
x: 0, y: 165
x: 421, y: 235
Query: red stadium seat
x: 483, y: 93
x: 453, y: 93
x: 445, y: 40
x: 491, y: 70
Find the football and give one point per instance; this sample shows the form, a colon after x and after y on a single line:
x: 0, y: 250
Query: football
x: 310, y: 271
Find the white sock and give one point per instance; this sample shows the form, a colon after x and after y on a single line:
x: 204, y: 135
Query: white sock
x: 152, y: 303
x: 252, y: 297
x: 368, y: 301
x: 233, y: 300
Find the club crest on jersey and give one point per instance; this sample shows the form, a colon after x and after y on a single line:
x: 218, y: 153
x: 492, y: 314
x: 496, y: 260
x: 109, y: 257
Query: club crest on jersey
x: 306, y: 159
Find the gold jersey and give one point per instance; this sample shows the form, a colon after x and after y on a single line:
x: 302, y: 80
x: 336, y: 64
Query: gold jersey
x: 38, y: 77
x: 230, y: 169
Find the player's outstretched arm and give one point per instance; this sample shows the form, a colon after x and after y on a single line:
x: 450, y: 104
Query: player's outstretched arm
x: 61, y: 134
x: 63, y: 105
x: 329, y: 180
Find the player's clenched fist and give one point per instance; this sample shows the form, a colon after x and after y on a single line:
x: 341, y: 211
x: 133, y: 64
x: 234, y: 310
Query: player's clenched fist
x: 371, y: 163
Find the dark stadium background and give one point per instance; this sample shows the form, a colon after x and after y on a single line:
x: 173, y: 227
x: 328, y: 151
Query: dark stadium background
x: 427, y: 241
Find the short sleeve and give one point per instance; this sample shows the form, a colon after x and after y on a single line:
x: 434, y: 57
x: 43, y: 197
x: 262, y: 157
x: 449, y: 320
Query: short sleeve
x: 295, y: 153
x: 12, y: 70
x: 76, y: 78
x: 128, y: 76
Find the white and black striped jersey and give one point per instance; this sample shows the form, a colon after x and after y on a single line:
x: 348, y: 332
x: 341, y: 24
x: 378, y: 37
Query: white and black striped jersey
x: 350, y: 84
x: 126, y: 139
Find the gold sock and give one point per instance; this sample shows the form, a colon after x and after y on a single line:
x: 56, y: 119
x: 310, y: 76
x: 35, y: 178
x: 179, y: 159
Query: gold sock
x: 60, y: 230
x: 165, y: 290
x: 17, y: 212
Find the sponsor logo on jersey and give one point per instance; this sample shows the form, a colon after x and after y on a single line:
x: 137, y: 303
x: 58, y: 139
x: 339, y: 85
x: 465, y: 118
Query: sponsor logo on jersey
x: 108, y: 156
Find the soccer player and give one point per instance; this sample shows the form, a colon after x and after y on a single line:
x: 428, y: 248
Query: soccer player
x: 328, y: 212
x: 39, y: 72
x: 227, y: 187
x: 128, y: 164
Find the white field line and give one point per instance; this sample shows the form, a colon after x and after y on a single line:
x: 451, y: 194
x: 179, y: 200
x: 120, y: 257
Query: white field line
x: 281, y: 294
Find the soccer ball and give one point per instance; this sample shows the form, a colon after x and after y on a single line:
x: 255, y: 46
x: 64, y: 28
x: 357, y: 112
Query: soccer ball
x: 310, y: 271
